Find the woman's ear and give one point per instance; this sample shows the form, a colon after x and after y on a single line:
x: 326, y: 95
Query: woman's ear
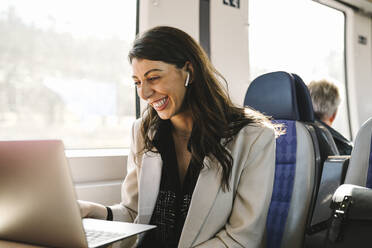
x: 190, y: 70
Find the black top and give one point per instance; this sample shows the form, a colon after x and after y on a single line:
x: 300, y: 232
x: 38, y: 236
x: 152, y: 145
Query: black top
x: 173, y: 199
x: 344, y: 146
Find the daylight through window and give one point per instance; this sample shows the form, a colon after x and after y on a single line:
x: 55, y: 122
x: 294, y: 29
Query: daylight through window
x: 64, y: 72
x: 308, y: 41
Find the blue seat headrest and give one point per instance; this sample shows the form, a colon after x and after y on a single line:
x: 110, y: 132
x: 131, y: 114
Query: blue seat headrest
x: 281, y: 95
x: 274, y: 94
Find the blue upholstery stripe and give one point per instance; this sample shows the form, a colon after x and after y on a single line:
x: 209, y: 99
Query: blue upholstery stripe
x: 369, y: 175
x: 285, y: 169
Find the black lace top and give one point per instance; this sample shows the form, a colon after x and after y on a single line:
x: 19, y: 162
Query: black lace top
x: 173, y: 199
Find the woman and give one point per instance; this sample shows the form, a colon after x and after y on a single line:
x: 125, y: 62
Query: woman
x: 200, y: 168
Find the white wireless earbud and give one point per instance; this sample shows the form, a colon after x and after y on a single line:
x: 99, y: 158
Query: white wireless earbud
x: 187, y: 79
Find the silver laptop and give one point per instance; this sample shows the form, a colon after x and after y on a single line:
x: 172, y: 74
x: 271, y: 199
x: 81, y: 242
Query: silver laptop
x: 38, y: 202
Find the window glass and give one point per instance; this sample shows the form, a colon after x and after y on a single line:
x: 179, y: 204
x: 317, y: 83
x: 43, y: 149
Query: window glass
x: 64, y: 71
x: 299, y: 36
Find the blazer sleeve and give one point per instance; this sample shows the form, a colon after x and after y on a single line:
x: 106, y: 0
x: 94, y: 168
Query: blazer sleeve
x: 128, y: 208
x: 246, y: 224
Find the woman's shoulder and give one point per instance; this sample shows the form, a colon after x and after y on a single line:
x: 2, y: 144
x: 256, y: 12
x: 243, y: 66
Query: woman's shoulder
x: 253, y: 132
x: 252, y: 139
x: 258, y: 129
x: 255, y: 124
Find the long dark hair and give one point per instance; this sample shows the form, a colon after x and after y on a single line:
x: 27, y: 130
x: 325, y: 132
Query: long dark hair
x: 214, y: 115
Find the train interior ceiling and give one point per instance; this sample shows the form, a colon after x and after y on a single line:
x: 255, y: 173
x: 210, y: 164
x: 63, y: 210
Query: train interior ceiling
x: 244, y: 39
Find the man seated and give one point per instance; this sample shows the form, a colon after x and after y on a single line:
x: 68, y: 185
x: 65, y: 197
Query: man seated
x: 326, y: 99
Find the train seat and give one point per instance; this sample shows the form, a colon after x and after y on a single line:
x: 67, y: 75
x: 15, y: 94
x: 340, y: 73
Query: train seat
x: 351, y: 223
x: 297, y: 154
x: 324, y: 177
x: 360, y: 167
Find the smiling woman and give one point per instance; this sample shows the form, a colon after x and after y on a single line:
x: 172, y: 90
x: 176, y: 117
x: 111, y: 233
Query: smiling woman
x: 197, y: 162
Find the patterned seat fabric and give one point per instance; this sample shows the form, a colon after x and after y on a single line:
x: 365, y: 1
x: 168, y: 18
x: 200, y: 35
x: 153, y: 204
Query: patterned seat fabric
x: 283, y: 183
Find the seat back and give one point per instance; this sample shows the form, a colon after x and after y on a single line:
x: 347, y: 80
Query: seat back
x: 360, y: 167
x: 327, y: 145
x: 274, y: 94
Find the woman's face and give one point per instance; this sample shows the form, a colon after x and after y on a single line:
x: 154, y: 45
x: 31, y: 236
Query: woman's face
x: 161, y: 85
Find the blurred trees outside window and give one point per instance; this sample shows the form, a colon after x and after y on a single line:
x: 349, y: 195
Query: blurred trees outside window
x: 64, y: 72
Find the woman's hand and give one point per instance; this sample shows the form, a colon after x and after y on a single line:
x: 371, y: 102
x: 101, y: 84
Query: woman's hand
x: 92, y: 210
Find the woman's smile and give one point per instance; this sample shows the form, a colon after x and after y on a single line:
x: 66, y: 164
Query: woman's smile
x: 160, y: 104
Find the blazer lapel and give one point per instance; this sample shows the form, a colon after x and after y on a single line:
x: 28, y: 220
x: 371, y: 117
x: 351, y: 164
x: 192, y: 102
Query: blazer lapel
x: 205, y: 193
x: 149, y: 185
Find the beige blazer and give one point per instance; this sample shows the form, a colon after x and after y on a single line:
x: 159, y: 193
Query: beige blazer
x: 215, y: 218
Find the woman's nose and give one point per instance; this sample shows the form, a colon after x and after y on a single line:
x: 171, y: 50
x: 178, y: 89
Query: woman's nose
x: 145, y: 91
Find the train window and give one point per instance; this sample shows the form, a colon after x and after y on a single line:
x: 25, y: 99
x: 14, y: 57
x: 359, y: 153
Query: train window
x: 299, y: 36
x: 64, y: 71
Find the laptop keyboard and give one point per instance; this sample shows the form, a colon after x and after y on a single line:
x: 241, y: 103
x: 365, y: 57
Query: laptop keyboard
x: 95, y: 237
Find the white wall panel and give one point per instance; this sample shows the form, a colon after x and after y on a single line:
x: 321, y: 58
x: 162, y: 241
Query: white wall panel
x: 90, y: 169
x: 229, y: 46
x: 176, y: 13
x: 98, y: 178
x: 106, y: 193
x: 363, y: 67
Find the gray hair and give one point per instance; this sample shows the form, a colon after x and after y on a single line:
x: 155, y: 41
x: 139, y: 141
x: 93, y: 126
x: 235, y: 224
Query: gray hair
x: 326, y: 98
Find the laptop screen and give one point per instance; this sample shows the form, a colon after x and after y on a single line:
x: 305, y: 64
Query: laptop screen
x: 37, y: 198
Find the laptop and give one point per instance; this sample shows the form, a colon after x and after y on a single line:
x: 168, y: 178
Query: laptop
x: 38, y: 202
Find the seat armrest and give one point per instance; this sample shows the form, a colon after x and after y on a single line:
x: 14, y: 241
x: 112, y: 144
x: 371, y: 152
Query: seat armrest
x: 359, y: 197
